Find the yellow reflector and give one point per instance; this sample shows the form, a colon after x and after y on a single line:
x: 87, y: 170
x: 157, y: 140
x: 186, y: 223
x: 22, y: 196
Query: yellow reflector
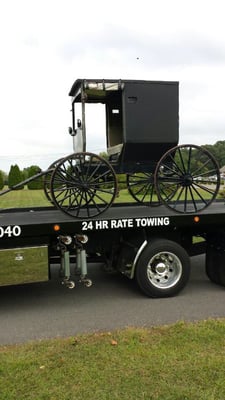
x: 56, y: 228
x: 196, y: 219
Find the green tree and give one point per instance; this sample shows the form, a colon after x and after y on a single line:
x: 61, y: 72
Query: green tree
x: 15, y: 177
x: 218, y: 151
x: 36, y: 183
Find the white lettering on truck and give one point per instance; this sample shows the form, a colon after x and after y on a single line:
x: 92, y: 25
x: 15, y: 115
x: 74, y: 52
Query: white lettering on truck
x: 10, y: 231
x: 122, y: 223
x: 154, y: 221
x: 125, y: 223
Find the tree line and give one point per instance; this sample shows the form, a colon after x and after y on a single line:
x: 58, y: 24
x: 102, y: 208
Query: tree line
x: 218, y: 151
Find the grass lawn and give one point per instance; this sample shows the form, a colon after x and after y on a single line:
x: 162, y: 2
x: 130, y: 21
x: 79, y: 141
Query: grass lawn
x: 181, y: 361
x: 24, y: 198
x: 37, y: 198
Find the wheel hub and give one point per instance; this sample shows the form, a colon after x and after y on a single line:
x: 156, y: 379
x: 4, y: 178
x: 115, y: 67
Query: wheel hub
x: 187, y: 180
x: 164, y: 270
x: 161, y: 269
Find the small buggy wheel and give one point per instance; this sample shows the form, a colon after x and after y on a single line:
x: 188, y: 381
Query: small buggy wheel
x: 141, y: 187
x: 187, y: 178
x: 83, y: 185
x: 47, y: 180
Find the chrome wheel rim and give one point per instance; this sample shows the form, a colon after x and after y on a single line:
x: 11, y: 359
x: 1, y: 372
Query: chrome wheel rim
x: 164, y: 270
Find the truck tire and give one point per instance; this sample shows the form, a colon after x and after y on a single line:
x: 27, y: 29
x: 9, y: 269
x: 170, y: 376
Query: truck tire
x: 222, y: 275
x: 213, y: 264
x: 163, y: 269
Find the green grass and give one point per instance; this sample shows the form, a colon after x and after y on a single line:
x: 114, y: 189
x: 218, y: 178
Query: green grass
x: 181, y: 361
x: 37, y: 198
x: 24, y: 198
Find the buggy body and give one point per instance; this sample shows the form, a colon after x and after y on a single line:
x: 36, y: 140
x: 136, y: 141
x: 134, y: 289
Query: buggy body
x: 142, y: 119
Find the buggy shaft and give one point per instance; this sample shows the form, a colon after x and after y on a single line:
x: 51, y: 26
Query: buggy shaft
x: 32, y: 178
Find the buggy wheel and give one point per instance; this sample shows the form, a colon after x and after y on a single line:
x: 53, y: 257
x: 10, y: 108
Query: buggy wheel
x: 83, y: 185
x: 141, y: 187
x: 47, y: 180
x: 187, y: 178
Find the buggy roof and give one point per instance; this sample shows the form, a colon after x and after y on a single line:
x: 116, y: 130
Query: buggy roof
x: 100, y: 89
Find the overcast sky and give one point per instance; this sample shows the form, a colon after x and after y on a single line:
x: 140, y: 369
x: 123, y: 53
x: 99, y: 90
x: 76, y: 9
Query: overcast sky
x: 47, y: 44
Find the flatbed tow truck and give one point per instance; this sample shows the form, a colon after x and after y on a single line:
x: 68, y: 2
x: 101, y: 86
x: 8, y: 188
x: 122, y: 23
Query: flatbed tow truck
x: 154, y: 250
x: 175, y: 214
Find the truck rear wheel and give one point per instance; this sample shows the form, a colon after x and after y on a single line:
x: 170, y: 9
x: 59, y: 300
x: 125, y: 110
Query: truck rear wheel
x: 215, y: 265
x: 163, y: 268
x: 212, y: 264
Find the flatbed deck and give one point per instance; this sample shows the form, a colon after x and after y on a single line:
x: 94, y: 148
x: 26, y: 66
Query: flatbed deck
x: 41, y: 221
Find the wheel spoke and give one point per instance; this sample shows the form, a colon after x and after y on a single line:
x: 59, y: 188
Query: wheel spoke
x: 193, y: 199
x: 189, y: 160
x: 183, y: 170
x: 172, y: 159
x: 199, y: 195
x: 205, y: 188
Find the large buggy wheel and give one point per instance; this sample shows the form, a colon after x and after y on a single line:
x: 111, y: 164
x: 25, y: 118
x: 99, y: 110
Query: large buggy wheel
x: 141, y: 187
x: 187, y: 178
x: 83, y: 185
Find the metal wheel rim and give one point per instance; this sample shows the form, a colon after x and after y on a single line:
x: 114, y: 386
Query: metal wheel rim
x: 83, y: 185
x: 47, y: 180
x: 183, y: 183
x: 164, y: 270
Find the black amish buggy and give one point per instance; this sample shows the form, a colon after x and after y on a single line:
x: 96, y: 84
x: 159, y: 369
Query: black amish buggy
x: 142, y: 134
